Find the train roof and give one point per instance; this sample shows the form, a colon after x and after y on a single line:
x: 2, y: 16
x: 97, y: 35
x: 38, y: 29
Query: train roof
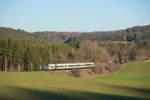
x: 71, y: 63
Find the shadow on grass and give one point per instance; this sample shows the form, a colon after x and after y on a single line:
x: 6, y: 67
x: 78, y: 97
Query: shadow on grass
x: 145, y: 91
x: 30, y: 94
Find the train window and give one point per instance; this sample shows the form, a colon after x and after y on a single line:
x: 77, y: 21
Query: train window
x: 60, y: 66
x: 70, y: 65
x: 87, y: 64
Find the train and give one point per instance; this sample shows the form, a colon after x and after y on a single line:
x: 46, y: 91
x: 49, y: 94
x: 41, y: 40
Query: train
x: 68, y: 66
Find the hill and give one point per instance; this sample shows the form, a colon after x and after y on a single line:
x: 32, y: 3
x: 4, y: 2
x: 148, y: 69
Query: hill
x: 131, y: 83
x: 133, y: 34
x: 57, y: 37
x: 22, y: 35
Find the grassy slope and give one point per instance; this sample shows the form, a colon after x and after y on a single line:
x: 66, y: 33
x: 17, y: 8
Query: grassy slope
x: 131, y: 83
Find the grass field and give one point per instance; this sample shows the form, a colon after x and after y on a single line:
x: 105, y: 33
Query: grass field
x: 131, y: 83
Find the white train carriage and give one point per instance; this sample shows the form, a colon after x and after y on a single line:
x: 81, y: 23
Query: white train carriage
x: 68, y: 66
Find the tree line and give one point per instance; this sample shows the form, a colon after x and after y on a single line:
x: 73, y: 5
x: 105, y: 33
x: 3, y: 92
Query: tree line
x: 17, y: 55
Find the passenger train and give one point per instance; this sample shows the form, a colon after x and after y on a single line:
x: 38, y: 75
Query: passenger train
x: 68, y: 66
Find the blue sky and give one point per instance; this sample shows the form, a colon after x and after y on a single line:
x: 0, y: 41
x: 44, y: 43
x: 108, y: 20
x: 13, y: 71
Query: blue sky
x: 73, y: 15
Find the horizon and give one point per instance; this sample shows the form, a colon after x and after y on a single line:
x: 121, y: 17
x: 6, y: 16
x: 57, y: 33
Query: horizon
x: 76, y: 31
x: 74, y: 16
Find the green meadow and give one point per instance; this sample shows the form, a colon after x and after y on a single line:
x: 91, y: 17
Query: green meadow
x: 132, y: 82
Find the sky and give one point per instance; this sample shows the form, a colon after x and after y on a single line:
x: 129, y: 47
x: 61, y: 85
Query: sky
x: 74, y: 15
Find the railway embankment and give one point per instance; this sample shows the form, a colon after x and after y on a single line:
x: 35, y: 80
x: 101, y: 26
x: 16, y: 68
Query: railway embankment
x: 85, y: 73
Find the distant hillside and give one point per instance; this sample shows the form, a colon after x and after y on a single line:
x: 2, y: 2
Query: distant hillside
x: 134, y: 34
x: 21, y: 35
x: 37, y: 37
x: 57, y: 37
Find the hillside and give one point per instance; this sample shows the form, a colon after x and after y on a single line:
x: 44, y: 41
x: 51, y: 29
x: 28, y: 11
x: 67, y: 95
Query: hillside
x: 57, y: 37
x: 21, y: 35
x: 131, y: 83
x: 135, y: 72
x: 133, y: 34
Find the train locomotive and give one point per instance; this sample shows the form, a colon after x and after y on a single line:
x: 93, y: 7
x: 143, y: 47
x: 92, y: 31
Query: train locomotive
x: 68, y: 66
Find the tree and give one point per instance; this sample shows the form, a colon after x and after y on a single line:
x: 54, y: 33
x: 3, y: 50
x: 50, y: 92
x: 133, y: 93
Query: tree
x: 27, y: 59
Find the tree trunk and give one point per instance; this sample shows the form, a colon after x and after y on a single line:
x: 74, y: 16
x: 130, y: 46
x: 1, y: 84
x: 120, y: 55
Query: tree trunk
x: 5, y: 64
x: 19, y: 68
